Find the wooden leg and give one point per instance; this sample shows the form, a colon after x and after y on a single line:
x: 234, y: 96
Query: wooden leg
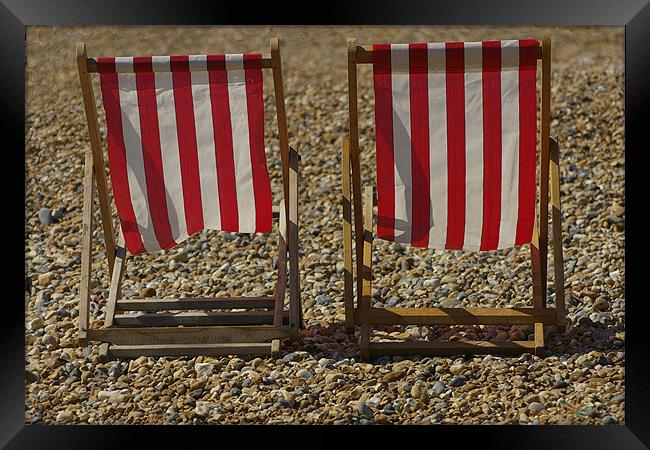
x: 366, y: 298
x: 355, y: 164
x: 535, y: 262
x: 558, y: 260
x: 539, y: 338
x: 98, y: 159
x: 280, y: 287
x: 116, y: 282
x: 275, y: 347
x: 295, y: 308
x: 86, y: 249
x: 347, y: 239
x: 544, y: 161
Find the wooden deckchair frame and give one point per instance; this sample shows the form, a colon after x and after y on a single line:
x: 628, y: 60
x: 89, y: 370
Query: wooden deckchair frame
x: 364, y: 315
x: 218, y: 333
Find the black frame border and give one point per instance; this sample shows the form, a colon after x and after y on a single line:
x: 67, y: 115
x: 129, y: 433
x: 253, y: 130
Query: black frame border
x: 16, y: 15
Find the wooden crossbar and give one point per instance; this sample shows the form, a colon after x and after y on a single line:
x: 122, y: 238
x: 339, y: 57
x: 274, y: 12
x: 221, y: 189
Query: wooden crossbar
x: 132, y: 351
x: 195, y: 318
x: 456, y: 316
x: 364, y: 53
x: 91, y: 63
x: 165, y: 304
x: 190, y: 335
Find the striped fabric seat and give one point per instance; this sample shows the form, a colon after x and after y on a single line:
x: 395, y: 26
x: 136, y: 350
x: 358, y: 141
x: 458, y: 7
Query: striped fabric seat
x: 456, y: 131
x: 186, y: 146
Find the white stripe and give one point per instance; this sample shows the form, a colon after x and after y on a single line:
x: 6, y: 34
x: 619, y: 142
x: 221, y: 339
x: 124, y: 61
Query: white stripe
x: 473, y: 145
x: 134, y: 158
x: 197, y: 62
x: 509, y: 143
x: 402, y: 141
x: 240, y: 142
x: 169, y: 148
x: 205, y: 142
x: 160, y: 64
x: 124, y: 64
x: 437, y: 85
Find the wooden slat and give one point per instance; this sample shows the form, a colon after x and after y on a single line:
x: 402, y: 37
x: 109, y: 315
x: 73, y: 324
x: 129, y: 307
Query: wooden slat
x: 92, y: 63
x: 367, y: 249
x: 346, y: 204
x: 295, y: 307
x: 366, y: 298
x: 456, y: 316
x: 133, y: 351
x: 188, y: 335
x: 364, y: 53
x: 173, y: 304
x: 558, y: 258
x: 278, y: 86
x: 114, y: 291
x: 545, y: 124
x: 539, y: 337
x: 86, y: 248
x: 275, y: 347
x: 355, y: 162
x: 451, y: 347
x: 195, y: 318
x: 536, y: 269
x: 98, y: 158
x: 281, y: 285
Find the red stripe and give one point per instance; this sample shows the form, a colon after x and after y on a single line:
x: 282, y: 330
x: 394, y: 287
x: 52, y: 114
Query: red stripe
x: 187, y: 147
x: 455, y: 75
x: 384, y: 141
x: 151, y: 153
x: 117, y: 156
x: 220, y: 103
x: 255, y: 106
x: 106, y: 65
x: 527, y: 138
x: 491, y: 145
x: 419, y: 97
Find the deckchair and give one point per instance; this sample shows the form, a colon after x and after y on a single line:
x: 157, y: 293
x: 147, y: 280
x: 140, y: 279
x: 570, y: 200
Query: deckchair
x: 185, y: 139
x: 456, y: 129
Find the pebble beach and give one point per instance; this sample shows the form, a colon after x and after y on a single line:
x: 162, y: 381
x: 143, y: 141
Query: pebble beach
x: 320, y: 379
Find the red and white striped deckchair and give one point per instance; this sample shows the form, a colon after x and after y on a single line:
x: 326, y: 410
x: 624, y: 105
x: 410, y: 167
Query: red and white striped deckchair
x: 456, y: 129
x: 185, y: 138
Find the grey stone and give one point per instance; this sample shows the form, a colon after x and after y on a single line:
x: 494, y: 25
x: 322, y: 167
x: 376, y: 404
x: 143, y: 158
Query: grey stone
x: 458, y: 381
x: 45, y: 216
x: 438, y: 388
x: 392, y: 301
x: 203, y: 370
x: 364, y: 410
x: 326, y: 362
x: 115, y: 370
x: 42, y: 300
